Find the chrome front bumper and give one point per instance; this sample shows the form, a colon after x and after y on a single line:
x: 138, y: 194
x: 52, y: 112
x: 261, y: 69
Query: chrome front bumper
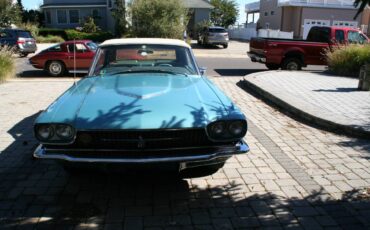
x: 240, y: 148
x: 256, y: 58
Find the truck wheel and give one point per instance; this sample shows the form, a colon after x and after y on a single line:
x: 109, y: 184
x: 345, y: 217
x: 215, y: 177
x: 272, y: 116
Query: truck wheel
x: 55, y: 68
x: 292, y: 64
x: 272, y: 66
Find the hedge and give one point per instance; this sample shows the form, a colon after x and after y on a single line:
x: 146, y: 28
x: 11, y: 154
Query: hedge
x: 53, y: 32
x: 49, y: 39
x: 99, y: 36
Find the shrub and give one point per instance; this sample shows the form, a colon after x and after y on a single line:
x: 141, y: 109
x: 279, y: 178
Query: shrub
x: 347, y: 60
x: 55, y: 32
x: 33, y: 28
x: 6, y: 63
x: 99, y: 36
x: 89, y: 25
x: 158, y: 18
x: 49, y: 39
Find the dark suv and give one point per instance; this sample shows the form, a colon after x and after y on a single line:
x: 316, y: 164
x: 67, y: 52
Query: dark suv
x: 213, y: 35
x: 21, y: 40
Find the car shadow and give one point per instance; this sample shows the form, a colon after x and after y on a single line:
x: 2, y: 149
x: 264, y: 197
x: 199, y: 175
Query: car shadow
x: 338, y: 90
x: 205, y: 47
x: 237, y: 72
x: 44, y: 74
x: 39, y: 194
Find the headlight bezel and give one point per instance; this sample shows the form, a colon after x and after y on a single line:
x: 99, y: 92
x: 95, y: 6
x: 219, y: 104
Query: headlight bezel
x: 54, y: 138
x: 227, y: 134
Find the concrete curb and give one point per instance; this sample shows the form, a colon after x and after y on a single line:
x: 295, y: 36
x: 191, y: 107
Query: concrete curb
x: 341, y: 129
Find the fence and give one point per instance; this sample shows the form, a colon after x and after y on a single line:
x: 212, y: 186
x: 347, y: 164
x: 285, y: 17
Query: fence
x: 266, y: 33
x: 242, y: 33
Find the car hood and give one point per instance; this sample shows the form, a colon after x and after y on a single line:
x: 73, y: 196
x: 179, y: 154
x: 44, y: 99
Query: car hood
x: 141, y: 101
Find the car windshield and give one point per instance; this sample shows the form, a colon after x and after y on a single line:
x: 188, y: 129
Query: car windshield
x: 92, y: 46
x: 127, y: 59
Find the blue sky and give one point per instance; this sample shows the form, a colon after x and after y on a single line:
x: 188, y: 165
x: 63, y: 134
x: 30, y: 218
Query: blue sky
x: 33, y: 4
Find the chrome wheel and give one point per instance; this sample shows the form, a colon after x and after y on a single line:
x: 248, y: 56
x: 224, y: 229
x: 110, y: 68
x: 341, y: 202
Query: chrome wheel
x: 55, y: 68
x: 292, y: 66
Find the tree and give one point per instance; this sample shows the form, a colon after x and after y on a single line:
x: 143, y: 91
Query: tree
x: 225, y: 12
x: 33, y: 16
x: 158, y: 18
x: 119, y: 14
x: 361, y: 4
x: 9, y: 13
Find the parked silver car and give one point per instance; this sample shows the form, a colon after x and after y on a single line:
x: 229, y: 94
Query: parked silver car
x: 213, y: 36
x: 21, y: 40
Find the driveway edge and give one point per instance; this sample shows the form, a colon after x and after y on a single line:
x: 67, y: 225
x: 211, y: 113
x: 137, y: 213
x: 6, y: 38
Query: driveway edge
x: 353, y: 131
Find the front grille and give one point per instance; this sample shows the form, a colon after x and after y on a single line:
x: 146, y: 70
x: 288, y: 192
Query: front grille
x: 141, y: 140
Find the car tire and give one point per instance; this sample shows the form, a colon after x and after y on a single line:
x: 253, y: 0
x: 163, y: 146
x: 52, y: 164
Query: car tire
x: 55, y: 68
x: 201, y: 171
x: 292, y: 64
x: 225, y: 46
x: 272, y: 66
x: 22, y: 55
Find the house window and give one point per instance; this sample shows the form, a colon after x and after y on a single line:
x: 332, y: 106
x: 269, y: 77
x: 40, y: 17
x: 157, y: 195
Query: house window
x: 62, y: 16
x: 47, y: 17
x: 272, y: 12
x: 266, y: 13
x: 95, y: 14
x: 74, y: 16
x: 267, y: 25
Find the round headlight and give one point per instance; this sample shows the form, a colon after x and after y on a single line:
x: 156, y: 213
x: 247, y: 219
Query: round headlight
x: 236, y: 128
x: 64, y: 131
x: 218, y: 128
x: 45, y: 132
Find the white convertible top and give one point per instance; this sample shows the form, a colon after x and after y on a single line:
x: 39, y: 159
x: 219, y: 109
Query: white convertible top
x: 151, y: 41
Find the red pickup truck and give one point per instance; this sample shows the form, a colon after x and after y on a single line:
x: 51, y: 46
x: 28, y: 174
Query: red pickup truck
x: 289, y: 54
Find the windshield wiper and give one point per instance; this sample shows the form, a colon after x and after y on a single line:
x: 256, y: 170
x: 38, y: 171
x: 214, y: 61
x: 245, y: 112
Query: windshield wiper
x: 149, y: 71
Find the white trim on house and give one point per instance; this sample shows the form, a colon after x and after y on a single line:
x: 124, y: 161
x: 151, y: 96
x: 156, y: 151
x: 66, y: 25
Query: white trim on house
x: 72, y: 6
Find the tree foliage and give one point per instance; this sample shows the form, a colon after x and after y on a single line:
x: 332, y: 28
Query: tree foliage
x: 9, y: 13
x: 224, y: 13
x: 361, y: 4
x: 158, y: 18
x: 119, y: 15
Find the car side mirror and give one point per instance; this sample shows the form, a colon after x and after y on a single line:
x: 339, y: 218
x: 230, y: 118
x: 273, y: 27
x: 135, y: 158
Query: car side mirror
x: 202, y: 70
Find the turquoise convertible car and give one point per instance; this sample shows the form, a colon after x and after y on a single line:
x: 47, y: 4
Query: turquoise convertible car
x: 144, y: 102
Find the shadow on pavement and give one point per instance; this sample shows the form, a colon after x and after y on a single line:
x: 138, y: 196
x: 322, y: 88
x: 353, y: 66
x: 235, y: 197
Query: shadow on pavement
x: 40, y: 194
x: 44, y: 74
x: 337, y: 90
x: 205, y: 47
x: 237, y: 72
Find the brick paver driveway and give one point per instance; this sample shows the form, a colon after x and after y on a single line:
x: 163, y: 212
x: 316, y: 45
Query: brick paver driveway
x: 294, y: 177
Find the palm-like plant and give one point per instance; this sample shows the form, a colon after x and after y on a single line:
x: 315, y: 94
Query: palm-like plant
x: 362, y: 4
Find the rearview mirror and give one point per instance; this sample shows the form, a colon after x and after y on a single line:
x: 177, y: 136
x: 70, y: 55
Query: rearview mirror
x: 202, y: 70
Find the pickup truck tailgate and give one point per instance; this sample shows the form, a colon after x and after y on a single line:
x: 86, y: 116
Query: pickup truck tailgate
x: 257, y: 45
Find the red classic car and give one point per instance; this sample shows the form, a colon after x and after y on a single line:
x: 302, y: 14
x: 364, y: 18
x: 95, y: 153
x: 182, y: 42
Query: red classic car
x: 61, y: 58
